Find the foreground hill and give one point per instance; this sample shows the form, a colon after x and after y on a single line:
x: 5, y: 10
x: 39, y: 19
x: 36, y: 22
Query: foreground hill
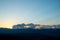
x: 33, y: 34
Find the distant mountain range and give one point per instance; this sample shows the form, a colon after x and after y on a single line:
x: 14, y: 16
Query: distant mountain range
x: 34, y: 26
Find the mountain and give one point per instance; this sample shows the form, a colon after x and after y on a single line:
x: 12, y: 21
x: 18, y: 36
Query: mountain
x: 35, y: 34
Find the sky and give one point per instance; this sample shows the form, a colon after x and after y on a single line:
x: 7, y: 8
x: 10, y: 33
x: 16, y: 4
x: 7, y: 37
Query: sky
x: 45, y: 12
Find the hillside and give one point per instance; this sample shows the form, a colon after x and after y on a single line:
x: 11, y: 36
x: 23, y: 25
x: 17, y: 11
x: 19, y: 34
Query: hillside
x: 35, y: 34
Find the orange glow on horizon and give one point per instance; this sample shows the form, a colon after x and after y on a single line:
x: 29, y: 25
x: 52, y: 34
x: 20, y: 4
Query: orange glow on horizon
x: 37, y: 27
x: 26, y: 26
x: 7, y: 23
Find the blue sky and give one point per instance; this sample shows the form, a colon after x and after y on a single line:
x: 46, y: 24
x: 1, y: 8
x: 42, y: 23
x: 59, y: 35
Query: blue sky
x: 29, y: 11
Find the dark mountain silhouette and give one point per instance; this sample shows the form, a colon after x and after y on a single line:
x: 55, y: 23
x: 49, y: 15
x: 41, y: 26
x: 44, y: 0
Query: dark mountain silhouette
x: 32, y: 34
